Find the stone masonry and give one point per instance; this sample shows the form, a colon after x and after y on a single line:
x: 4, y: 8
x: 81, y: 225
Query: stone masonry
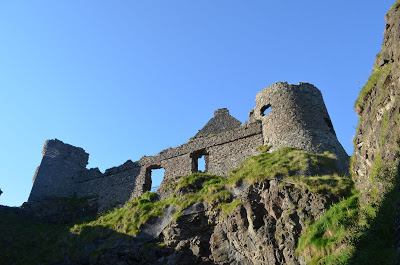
x: 298, y: 119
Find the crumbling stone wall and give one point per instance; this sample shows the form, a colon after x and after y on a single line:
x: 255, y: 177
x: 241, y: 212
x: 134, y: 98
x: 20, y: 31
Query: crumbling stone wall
x: 67, y: 176
x: 298, y: 119
x: 225, y: 151
x: 114, y: 187
x: 59, y: 170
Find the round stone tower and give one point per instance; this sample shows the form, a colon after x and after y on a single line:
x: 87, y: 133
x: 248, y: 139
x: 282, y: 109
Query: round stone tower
x: 296, y: 116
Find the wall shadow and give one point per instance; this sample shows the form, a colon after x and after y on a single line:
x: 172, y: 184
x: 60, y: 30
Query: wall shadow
x: 377, y: 245
x: 24, y: 241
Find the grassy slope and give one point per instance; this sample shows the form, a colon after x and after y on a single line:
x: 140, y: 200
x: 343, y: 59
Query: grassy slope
x: 353, y: 231
x: 26, y: 242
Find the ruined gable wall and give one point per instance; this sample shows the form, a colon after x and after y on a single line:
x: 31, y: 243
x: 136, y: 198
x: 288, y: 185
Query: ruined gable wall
x: 224, y: 152
x: 221, y: 122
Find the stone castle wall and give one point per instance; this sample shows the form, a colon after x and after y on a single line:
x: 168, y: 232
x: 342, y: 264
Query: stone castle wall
x: 298, y: 118
x: 59, y: 170
x: 117, y: 185
x: 114, y: 187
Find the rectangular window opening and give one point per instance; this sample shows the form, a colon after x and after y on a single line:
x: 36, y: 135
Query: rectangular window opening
x: 154, y: 177
x: 199, y: 161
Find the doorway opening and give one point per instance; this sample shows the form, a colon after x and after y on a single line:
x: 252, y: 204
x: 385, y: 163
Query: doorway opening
x: 154, y: 177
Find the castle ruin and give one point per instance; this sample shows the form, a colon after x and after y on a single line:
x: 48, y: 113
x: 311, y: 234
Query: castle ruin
x: 298, y: 118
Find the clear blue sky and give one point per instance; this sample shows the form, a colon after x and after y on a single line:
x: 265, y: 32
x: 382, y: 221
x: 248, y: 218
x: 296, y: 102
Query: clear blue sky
x: 123, y: 79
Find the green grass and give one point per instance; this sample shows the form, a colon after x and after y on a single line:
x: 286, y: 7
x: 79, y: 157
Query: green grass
x: 214, y: 190
x: 339, y: 186
x: 280, y: 163
x: 193, y: 188
x: 227, y: 208
x: 127, y: 220
x: 355, y: 232
x: 375, y: 244
x: 352, y: 233
x: 26, y: 242
x: 323, y: 237
x: 372, y: 82
x: 395, y: 5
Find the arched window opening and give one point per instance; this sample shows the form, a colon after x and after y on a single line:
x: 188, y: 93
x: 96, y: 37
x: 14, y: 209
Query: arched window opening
x: 154, y: 177
x: 199, y: 161
x: 265, y: 110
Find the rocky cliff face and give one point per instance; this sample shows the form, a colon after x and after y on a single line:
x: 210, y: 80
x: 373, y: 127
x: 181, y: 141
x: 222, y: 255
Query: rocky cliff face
x: 264, y: 229
x: 377, y: 152
x: 255, y: 216
x: 377, y: 140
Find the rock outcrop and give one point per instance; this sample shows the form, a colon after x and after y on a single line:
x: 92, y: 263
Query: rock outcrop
x: 377, y: 143
x: 264, y: 229
x: 377, y: 139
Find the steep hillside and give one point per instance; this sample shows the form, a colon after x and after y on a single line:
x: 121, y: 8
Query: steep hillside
x: 377, y: 140
x: 364, y: 229
x: 376, y: 156
x: 255, y: 216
